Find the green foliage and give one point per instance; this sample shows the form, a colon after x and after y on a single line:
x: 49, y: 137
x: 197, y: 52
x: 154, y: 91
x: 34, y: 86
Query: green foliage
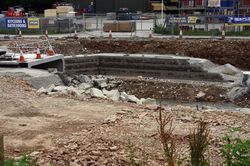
x: 161, y: 29
x: 235, y: 151
x: 133, y: 159
x: 25, y: 160
x: 198, y: 144
x: 241, y: 33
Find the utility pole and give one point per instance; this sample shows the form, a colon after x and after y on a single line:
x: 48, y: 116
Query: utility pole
x: 162, y: 8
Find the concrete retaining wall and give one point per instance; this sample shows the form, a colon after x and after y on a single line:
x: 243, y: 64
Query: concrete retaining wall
x: 160, y: 66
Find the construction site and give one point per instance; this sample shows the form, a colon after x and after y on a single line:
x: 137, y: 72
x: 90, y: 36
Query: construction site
x: 96, y: 101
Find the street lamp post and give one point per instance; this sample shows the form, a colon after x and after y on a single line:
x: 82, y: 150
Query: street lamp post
x: 162, y: 8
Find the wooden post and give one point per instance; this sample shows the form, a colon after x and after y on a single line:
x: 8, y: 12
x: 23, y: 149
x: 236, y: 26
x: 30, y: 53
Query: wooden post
x: 1, y: 151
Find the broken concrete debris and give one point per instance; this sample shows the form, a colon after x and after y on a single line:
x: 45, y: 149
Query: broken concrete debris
x: 129, y: 98
x: 85, y: 86
x: 113, y: 94
x: 59, y: 89
x: 95, y: 87
x: 106, y: 87
x: 84, y: 78
x: 94, y: 92
x: 236, y: 92
x: 200, y: 96
x: 148, y: 101
x: 110, y: 119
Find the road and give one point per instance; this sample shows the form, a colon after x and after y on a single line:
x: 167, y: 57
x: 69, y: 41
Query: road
x: 138, y: 34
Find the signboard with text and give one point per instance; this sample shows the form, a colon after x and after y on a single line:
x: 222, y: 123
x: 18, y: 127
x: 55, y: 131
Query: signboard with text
x: 16, y: 23
x: 238, y: 21
x: 192, y: 20
x: 33, y: 23
x: 183, y: 20
x: 178, y: 20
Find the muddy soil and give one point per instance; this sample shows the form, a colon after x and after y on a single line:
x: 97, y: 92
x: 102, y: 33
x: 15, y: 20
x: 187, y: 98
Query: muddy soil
x: 173, y: 89
x: 235, y: 52
x: 96, y: 132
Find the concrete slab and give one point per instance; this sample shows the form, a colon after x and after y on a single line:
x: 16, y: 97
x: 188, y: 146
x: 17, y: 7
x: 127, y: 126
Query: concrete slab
x: 36, y: 77
x: 55, y: 61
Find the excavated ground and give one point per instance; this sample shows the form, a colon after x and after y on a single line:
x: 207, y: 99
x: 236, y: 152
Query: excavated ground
x: 182, y: 91
x: 235, y: 52
x: 67, y: 130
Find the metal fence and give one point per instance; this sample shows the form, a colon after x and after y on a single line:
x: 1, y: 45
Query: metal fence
x: 85, y: 23
x: 99, y: 24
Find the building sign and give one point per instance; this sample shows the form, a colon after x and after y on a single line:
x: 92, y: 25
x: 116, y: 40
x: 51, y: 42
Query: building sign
x: 178, y: 20
x: 16, y: 23
x: 238, y: 20
x: 33, y: 23
x: 213, y: 3
x: 183, y: 20
x: 192, y: 20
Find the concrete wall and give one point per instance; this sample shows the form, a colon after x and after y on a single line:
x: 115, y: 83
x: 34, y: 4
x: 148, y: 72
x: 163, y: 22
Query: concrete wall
x: 138, y: 65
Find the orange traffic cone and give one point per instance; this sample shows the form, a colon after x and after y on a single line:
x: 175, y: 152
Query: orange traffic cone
x: 21, y: 58
x: 51, y: 51
x: 46, y: 33
x: 38, y: 53
x: 150, y: 34
x: 110, y: 34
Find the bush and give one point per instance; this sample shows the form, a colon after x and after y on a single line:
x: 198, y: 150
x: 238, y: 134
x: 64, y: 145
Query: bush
x: 133, y: 159
x: 161, y: 30
x: 24, y: 161
x: 235, y: 151
x: 167, y: 138
x: 198, y: 144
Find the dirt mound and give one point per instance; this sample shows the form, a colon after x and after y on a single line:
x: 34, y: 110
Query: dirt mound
x: 235, y: 52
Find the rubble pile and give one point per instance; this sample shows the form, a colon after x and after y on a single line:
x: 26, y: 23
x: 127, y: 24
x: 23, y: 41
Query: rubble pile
x: 84, y: 86
x: 147, y: 91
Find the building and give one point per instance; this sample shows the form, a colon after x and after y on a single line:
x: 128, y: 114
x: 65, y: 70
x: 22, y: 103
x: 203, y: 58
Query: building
x: 225, y: 7
x: 181, y: 7
x: 106, y: 6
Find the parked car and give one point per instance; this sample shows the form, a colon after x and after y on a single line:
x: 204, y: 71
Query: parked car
x: 123, y: 14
